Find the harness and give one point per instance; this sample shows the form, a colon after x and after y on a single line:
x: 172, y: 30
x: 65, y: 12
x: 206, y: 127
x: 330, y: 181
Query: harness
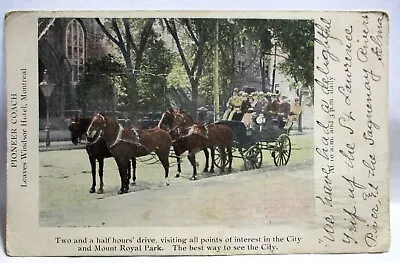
x: 181, y: 120
x: 206, y: 128
x: 97, y: 139
x: 197, y: 131
x: 119, y: 137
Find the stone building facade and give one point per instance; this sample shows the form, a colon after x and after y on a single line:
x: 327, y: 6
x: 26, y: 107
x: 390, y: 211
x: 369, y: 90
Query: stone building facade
x: 64, y: 46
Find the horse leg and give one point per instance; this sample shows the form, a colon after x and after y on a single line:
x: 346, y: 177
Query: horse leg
x: 101, y: 166
x: 93, y: 166
x: 128, y: 171
x: 178, y: 159
x: 178, y: 173
x: 207, y: 157
x: 212, y: 149
x: 163, y: 157
x: 122, y: 168
x: 223, y: 159
x: 127, y: 163
x: 192, y: 160
x: 133, y: 171
x: 230, y: 158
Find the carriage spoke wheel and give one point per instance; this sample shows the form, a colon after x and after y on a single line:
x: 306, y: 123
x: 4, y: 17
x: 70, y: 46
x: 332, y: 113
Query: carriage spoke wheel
x: 218, y: 159
x: 282, y: 150
x: 253, y: 158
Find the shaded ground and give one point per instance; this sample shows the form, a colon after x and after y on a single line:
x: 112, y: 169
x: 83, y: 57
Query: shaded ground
x: 265, y: 196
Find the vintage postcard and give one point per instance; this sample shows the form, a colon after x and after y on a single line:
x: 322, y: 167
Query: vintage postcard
x: 197, y: 133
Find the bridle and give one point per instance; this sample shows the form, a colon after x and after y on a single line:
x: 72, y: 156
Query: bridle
x: 101, y: 131
x: 181, y: 120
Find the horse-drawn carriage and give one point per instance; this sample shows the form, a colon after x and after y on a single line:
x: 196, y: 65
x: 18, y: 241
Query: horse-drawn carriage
x: 264, y: 134
x: 107, y: 137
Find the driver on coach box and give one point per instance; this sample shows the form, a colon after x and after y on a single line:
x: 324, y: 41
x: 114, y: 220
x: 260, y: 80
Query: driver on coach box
x: 233, y: 105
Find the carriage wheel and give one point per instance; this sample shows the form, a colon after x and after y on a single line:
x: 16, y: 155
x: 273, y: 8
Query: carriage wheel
x: 218, y: 160
x: 282, y: 150
x: 252, y: 158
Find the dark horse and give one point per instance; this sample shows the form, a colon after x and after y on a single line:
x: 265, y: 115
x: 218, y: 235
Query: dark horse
x: 125, y: 144
x: 193, y: 138
x: 96, y: 151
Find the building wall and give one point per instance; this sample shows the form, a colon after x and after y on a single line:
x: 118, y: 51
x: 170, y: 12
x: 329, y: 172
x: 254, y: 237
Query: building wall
x: 53, y: 58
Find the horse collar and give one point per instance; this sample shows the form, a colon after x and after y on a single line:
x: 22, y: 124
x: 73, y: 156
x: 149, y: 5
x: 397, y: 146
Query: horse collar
x: 97, y: 139
x: 118, y: 139
x: 206, y: 128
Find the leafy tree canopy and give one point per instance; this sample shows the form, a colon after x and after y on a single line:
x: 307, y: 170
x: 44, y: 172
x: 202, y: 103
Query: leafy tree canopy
x: 97, y: 86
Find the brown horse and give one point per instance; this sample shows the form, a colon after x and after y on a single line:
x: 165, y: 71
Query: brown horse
x: 177, y: 123
x: 195, y: 137
x: 125, y: 144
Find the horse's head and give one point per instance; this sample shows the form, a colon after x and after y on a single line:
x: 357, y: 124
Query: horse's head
x: 167, y: 120
x: 175, y: 133
x: 172, y: 120
x: 75, y: 130
x: 181, y: 119
x: 96, y: 127
x: 197, y: 129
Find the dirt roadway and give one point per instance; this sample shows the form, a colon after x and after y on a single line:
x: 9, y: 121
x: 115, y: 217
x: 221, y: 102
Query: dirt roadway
x: 261, y: 197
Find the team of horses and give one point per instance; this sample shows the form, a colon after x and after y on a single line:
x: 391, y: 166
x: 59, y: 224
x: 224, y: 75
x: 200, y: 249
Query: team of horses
x: 106, y: 137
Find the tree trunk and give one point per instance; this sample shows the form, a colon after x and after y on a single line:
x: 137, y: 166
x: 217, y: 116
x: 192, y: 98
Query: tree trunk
x: 262, y: 67
x: 300, y: 121
x: 194, y: 73
x: 193, y: 111
x: 133, y: 97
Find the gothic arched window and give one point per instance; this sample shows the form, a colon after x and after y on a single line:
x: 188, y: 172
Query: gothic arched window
x: 75, y: 49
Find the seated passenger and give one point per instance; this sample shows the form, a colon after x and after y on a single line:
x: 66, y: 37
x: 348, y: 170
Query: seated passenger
x: 274, y: 105
x: 295, y: 111
x: 233, y: 105
x: 284, y: 111
x: 246, y: 103
x: 284, y: 107
x: 257, y: 103
x: 248, y: 118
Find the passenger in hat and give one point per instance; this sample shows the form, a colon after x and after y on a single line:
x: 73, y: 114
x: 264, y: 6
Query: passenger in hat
x: 246, y: 103
x: 256, y: 103
x: 262, y: 98
x: 273, y: 106
x: 248, y: 117
x: 233, y: 105
x: 295, y: 111
x: 284, y: 107
x: 284, y: 111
